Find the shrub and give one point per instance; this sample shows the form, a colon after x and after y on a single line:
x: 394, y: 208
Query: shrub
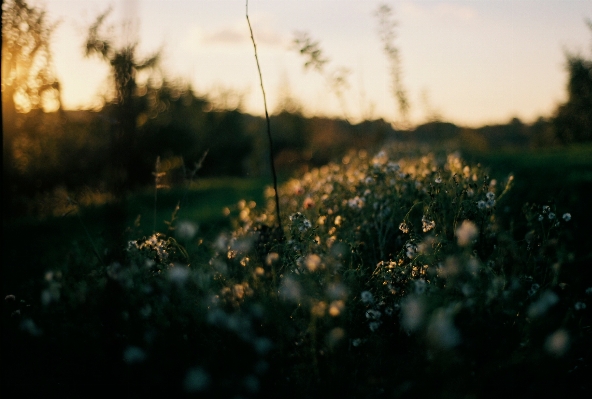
x: 392, y: 278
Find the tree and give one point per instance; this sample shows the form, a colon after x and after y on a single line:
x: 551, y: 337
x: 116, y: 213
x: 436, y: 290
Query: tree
x: 126, y: 108
x: 573, y: 120
x: 28, y: 79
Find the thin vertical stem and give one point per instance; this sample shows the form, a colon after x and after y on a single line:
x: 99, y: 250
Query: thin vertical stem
x: 271, y: 161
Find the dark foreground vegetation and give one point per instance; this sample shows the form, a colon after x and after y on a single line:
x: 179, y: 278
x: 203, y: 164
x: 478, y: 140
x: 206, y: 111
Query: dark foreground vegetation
x: 409, y: 277
x: 142, y: 254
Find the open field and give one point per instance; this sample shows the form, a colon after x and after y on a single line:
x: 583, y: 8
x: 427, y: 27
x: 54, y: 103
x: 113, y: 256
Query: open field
x: 500, y: 312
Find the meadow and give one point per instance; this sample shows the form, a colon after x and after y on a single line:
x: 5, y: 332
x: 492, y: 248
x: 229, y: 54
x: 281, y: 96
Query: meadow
x: 400, y: 268
x: 393, y: 277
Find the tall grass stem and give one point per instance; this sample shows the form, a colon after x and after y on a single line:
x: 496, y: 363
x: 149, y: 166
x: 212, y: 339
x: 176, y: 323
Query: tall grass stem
x: 277, y: 198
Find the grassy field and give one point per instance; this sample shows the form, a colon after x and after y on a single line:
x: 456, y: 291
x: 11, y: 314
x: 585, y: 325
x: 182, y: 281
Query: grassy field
x: 223, y: 322
x: 32, y: 246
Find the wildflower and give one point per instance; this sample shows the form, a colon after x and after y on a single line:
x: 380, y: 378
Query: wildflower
x: 308, y: 203
x: 466, y: 233
x: 412, y: 313
x: 541, y: 218
x: 178, y: 274
x: 533, y: 289
x: 356, y: 202
x: 374, y: 325
x: 404, y: 228
x: 271, y: 258
x: 567, y: 217
x: 411, y: 250
x: 427, y: 224
x: 392, y: 167
x: 367, y: 297
x: 438, y: 180
x: 481, y: 204
x: 546, y: 209
x: 420, y: 286
x: 579, y: 306
x: 336, y: 308
x: 356, y: 342
x: 540, y: 307
x: 305, y: 225
x: 312, y: 262
x: 551, y: 216
x: 290, y: 290
x: 557, y: 343
x: 490, y: 196
x: 186, y: 230
x: 372, y: 314
x: 441, y: 330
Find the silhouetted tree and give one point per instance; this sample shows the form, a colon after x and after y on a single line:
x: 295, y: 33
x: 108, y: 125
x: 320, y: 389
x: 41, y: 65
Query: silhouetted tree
x: 28, y: 79
x: 573, y: 120
x: 125, y: 65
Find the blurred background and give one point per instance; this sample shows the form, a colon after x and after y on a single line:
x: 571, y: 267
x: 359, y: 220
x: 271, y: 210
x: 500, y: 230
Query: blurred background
x: 104, y: 98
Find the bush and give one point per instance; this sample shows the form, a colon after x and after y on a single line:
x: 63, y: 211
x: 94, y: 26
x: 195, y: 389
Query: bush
x: 392, y: 279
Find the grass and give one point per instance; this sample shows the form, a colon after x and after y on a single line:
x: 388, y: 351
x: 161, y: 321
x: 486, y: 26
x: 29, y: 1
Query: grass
x: 33, y: 246
x: 395, y: 278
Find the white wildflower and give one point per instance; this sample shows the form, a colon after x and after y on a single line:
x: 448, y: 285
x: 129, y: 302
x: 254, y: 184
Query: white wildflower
x: 404, y: 228
x: 441, y: 330
x: 372, y: 314
x: 356, y: 202
x: 567, y: 217
x: 411, y: 250
x: 427, y: 224
x: 366, y: 297
x: 557, y: 343
x: 579, y: 306
x: 551, y: 216
x: 466, y: 233
x: 412, y: 313
x: 186, y: 230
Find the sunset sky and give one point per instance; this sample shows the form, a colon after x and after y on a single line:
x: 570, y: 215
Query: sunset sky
x: 472, y: 62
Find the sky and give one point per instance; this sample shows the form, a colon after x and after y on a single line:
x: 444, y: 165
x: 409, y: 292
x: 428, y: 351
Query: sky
x: 470, y: 62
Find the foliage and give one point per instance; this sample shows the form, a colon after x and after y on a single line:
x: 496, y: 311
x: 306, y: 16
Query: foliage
x: 573, y: 120
x: 397, y: 274
x: 335, y: 79
x: 28, y: 83
x: 386, y: 31
x: 125, y: 66
x: 28, y: 79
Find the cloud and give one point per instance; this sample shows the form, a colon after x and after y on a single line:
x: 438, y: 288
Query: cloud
x: 238, y: 34
x: 439, y: 10
x: 455, y: 11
